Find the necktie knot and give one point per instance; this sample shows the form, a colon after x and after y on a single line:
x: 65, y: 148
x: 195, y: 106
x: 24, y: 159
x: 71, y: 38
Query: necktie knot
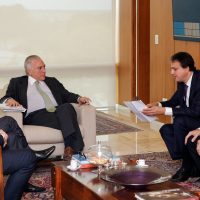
x: 47, y: 101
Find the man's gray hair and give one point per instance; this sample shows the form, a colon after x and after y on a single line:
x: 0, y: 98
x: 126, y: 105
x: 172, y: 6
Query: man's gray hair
x: 28, y: 62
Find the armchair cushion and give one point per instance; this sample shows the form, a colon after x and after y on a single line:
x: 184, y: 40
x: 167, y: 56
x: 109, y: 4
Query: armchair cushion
x: 41, y: 134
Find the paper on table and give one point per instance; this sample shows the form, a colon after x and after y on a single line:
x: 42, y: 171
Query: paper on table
x: 137, y: 107
x: 4, y: 107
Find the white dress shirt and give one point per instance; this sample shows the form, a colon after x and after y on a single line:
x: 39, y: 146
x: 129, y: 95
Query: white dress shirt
x: 168, y: 110
x: 34, y: 99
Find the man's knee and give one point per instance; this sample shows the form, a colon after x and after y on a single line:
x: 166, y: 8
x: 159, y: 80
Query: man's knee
x: 165, y: 129
x: 67, y: 108
x: 66, y: 105
x: 8, y: 119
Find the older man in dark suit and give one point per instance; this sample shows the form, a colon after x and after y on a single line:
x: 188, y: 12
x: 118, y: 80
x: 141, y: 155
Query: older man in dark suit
x: 47, y: 103
x: 184, y: 106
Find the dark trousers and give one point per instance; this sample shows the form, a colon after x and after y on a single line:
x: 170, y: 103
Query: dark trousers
x: 174, y: 135
x: 64, y: 119
x: 19, y: 164
x: 16, y: 138
x: 194, y: 158
x: 18, y: 159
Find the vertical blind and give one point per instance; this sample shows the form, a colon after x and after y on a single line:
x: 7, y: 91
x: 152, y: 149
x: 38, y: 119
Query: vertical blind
x: 75, y: 38
x: 66, y: 33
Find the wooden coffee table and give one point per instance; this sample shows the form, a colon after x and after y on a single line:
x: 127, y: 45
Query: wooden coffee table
x: 85, y: 185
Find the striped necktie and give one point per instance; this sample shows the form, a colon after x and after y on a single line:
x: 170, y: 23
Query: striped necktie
x: 47, y: 101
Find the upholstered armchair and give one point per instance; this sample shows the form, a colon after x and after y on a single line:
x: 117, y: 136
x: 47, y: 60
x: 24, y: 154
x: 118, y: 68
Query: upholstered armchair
x: 40, y: 137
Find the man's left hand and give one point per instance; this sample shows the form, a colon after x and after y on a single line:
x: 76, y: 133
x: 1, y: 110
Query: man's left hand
x: 154, y: 110
x: 5, y: 137
x: 84, y: 100
x: 194, y: 134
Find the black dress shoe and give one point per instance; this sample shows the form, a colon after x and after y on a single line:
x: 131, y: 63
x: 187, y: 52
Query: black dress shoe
x: 181, y: 175
x: 33, y: 188
x: 43, y: 154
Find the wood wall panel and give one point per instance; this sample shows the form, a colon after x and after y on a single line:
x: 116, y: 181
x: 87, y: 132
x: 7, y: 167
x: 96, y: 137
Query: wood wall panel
x: 127, y: 53
x: 126, y: 70
x: 191, y: 47
x: 144, y: 50
x: 161, y: 83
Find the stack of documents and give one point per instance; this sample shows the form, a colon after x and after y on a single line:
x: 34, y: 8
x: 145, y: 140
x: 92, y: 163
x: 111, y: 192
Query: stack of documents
x: 4, y: 107
x: 137, y: 107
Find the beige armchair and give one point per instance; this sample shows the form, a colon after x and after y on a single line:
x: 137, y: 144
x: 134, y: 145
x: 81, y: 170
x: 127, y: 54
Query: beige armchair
x: 40, y: 137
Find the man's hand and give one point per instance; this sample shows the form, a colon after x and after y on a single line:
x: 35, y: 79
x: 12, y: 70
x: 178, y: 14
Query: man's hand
x: 84, y: 100
x: 194, y: 133
x: 154, y: 110
x: 5, y: 137
x: 12, y: 102
x: 198, y: 147
x: 152, y: 104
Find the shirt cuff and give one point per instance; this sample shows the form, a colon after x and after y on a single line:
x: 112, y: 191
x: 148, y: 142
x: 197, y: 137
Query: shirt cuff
x: 78, y: 99
x: 6, y: 99
x: 168, y: 111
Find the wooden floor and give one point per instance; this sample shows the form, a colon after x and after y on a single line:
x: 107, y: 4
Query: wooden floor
x: 148, y: 140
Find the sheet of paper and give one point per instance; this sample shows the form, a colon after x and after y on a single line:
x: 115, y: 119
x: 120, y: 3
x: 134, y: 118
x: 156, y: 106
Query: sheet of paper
x: 4, y: 107
x: 137, y: 107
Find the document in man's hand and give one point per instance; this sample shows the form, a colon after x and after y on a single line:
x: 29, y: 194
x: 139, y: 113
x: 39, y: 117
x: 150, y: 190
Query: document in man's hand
x: 4, y: 107
x: 137, y: 107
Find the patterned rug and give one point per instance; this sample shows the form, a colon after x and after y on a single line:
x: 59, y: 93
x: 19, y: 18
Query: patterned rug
x: 41, y: 178
x: 106, y: 124
x: 161, y: 160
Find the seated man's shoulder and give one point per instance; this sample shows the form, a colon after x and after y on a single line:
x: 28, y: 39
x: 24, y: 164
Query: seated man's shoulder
x: 48, y: 78
x: 20, y: 78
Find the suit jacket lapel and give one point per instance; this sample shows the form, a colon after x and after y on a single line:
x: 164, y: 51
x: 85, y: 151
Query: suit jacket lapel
x: 50, y: 84
x: 23, y: 92
x: 193, y: 86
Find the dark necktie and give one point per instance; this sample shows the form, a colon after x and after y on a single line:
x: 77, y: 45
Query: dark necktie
x: 185, y: 93
x: 47, y: 101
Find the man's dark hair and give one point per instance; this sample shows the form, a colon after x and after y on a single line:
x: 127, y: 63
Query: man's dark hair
x: 185, y: 60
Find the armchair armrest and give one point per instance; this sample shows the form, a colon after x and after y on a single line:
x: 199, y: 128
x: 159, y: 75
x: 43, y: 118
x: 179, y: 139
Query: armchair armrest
x: 86, y: 115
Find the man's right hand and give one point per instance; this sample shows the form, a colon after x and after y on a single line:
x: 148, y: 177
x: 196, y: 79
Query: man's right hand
x: 152, y: 104
x: 12, y: 102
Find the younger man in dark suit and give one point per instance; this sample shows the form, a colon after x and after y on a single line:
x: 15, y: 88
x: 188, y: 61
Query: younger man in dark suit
x: 184, y: 106
x: 47, y: 103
